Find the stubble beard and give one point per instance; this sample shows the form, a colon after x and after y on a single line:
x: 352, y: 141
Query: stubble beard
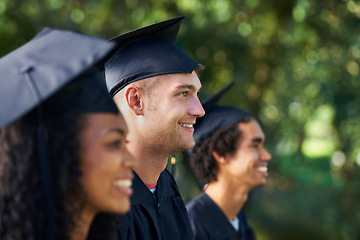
x: 180, y: 143
x: 171, y: 144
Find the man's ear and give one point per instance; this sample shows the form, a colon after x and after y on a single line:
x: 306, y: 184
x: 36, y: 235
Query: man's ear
x: 220, y: 159
x: 134, y: 100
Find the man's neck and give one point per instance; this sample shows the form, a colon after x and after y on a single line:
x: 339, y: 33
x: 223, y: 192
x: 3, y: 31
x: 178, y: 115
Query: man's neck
x: 151, y: 163
x: 230, y: 199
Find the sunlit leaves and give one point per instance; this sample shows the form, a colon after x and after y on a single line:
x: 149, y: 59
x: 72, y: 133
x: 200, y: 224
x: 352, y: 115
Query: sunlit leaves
x: 353, y: 68
x: 2, y: 7
x: 55, y: 4
x: 296, y: 67
x: 354, y: 8
x: 221, y: 9
x: 77, y: 15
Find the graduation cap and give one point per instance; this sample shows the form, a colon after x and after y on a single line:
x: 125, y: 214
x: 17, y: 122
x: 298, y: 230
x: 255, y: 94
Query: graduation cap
x: 147, y: 52
x: 52, y: 68
x: 216, y: 117
x: 38, y: 69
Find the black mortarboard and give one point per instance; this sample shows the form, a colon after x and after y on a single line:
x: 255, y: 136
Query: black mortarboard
x: 216, y: 117
x: 38, y: 69
x: 147, y: 52
x: 53, y: 68
x: 86, y: 94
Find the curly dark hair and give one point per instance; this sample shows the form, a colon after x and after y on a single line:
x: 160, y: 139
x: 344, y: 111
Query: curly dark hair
x: 223, y: 141
x: 22, y: 214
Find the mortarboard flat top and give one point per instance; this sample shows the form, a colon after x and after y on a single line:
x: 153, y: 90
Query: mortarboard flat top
x: 147, y: 52
x: 39, y: 68
x: 216, y: 117
x: 167, y: 30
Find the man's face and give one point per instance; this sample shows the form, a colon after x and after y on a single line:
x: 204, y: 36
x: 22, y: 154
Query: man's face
x: 248, y: 166
x: 170, y: 111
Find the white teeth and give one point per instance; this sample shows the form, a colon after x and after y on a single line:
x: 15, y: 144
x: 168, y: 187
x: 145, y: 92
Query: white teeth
x: 262, y: 169
x: 123, y: 183
x: 186, y: 125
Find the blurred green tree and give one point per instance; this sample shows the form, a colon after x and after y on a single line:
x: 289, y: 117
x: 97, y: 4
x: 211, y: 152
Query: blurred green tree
x: 296, y: 64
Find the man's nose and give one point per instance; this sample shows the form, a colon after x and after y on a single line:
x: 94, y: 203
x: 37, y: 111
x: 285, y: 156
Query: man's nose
x: 265, y: 155
x: 197, y: 109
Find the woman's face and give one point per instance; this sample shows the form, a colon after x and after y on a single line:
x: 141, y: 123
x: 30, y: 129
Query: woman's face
x: 106, y: 164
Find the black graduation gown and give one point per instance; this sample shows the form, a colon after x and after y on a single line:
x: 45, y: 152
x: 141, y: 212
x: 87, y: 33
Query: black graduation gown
x: 209, y: 222
x: 164, y: 218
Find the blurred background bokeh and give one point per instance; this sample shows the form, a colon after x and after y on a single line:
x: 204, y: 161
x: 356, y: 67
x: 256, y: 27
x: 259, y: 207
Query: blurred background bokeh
x: 296, y: 67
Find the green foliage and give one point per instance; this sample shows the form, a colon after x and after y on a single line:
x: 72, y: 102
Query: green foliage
x: 296, y: 64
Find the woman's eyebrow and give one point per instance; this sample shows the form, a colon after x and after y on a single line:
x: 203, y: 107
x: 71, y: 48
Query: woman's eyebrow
x: 118, y: 130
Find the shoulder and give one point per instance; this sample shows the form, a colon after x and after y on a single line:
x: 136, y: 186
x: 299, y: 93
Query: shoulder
x: 245, y: 228
x: 207, y: 220
x: 198, y: 211
x: 242, y: 218
x: 167, y: 186
x: 201, y: 215
x: 198, y: 205
x: 166, y: 176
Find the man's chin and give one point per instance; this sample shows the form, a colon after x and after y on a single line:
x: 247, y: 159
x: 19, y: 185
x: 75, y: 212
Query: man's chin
x: 186, y: 146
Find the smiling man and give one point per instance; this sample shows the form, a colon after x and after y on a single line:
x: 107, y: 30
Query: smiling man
x: 230, y: 158
x: 155, y: 85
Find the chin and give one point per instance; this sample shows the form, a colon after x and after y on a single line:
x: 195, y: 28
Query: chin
x: 183, y: 145
x: 189, y: 144
x: 186, y: 147
x: 122, y: 207
x: 262, y: 183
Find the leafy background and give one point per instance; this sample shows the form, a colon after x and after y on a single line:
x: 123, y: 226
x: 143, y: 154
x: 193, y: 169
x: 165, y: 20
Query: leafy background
x: 296, y: 64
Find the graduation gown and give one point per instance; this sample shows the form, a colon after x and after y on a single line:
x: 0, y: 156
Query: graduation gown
x: 162, y: 218
x: 209, y: 222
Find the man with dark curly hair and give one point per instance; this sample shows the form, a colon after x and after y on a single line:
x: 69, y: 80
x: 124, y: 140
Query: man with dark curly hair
x: 230, y: 158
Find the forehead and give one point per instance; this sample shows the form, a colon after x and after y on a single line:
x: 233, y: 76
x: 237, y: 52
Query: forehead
x: 100, y: 123
x: 178, y: 80
x: 251, y: 130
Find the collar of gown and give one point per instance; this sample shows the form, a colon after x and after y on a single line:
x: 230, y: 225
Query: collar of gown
x: 166, y: 187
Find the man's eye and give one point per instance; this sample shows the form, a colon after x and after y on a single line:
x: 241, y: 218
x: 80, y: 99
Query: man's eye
x: 183, y: 94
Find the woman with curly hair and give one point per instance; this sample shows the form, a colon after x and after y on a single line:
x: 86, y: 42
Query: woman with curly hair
x: 63, y: 159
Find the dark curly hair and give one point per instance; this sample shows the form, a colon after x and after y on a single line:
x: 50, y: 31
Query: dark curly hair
x: 223, y: 141
x: 22, y: 213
